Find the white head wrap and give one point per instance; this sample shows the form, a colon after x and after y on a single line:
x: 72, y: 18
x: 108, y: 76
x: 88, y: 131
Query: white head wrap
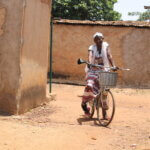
x: 98, y: 34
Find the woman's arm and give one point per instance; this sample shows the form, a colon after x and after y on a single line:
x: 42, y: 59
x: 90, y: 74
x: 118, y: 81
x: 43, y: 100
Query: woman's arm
x: 110, y: 57
x: 90, y: 56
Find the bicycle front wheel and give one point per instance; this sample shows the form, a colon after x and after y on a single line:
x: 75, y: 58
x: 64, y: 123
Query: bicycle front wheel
x: 105, y: 108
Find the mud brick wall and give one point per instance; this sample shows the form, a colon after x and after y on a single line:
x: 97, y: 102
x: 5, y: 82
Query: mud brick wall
x: 24, y: 42
x: 130, y: 47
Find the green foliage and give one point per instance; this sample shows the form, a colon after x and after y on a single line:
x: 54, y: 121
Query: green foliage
x: 134, y: 13
x: 85, y: 9
x: 142, y: 16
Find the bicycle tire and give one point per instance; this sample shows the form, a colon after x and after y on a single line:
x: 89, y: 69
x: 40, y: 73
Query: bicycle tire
x: 101, y: 111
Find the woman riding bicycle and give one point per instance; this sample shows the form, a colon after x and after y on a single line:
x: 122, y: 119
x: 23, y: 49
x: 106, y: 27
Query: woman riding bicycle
x: 99, y: 54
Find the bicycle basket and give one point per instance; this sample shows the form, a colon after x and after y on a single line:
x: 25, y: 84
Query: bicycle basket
x: 108, y: 79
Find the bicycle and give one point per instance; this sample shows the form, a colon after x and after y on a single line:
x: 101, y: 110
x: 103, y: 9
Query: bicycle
x: 104, y: 102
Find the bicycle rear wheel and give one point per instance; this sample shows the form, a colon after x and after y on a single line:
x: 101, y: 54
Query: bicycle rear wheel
x: 105, y: 115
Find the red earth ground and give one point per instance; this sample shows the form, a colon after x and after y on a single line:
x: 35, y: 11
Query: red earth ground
x: 59, y: 124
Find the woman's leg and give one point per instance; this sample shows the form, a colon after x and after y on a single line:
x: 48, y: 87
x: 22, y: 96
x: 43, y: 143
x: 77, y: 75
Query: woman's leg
x: 87, y: 96
x: 91, y: 90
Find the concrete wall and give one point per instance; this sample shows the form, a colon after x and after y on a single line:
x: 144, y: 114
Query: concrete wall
x: 130, y: 47
x: 24, y: 42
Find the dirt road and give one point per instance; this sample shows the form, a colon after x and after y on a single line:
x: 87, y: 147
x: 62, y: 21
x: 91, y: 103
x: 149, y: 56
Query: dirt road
x: 59, y: 125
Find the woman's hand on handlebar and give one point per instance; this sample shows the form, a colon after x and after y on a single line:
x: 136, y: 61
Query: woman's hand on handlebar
x: 115, y: 68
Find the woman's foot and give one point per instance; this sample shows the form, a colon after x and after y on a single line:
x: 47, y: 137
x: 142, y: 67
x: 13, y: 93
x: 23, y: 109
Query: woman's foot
x: 87, y: 114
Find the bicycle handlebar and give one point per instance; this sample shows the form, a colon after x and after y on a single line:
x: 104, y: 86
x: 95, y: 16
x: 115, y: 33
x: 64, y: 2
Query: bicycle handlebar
x: 81, y: 61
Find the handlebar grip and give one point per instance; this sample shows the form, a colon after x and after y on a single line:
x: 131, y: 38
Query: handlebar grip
x: 125, y: 69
